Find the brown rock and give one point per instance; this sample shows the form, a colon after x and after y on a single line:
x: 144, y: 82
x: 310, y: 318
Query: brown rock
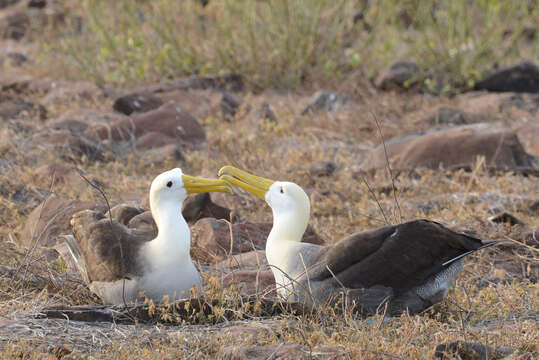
x: 200, y: 103
x: 170, y: 120
x: 143, y: 222
x: 170, y: 152
x: 454, y: 148
x: 528, y: 135
x: 401, y: 74
x: 124, y: 213
x: 230, y: 103
x: 211, y: 240
x: 201, y: 206
x: 51, y: 219
x: 251, y: 282
x: 153, y: 140
x: 73, y: 147
x: 136, y: 103
x: 322, y: 168
x: 62, y: 174
x: 481, y: 103
x: 255, y: 259
x: 505, y: 217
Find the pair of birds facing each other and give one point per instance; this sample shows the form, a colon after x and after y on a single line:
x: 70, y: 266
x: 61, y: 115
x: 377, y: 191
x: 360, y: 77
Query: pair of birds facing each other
x: 406, y: 267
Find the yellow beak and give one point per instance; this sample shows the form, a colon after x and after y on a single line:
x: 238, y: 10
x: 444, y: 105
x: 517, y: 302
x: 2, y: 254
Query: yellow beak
x: 196, y: 185
x: 253, y: 184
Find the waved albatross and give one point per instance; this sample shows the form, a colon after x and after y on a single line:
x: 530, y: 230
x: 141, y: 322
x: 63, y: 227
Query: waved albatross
x: 157, y: 267
x: 409, y: 266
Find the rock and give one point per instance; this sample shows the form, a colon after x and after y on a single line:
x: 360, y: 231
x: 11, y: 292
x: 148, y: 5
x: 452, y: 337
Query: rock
x: 470, y: 351
x: 482, y: 103
x: 136, y: 102
x: 230, y: 103
x: 285, y: 351
x: 251, y: 282
x: 124, y: 213
x: 143, y: 222
x: 255, y: 259
x: 153, y: 140
x: 170, y: 120
x: 211, y: 240
x: 505, y: 217
x: 401, y: 74
x: 450, y: 116
x: 201, y: 206
x: 453, y: 148
x: 325, y: 100
x: 51, y: 219
x: 322, y: 168
x: 75, y: 148
x: 229, y: 82
x: 6, y: 3
x: 528, y: 133
x: 62, y: 174
x: 16, y: 58
x: 11, y: 108
x: 266, y: 113
x: 163, y: 154
x: 523, y: 77
x: 14, y: 23
x: 202, y: 104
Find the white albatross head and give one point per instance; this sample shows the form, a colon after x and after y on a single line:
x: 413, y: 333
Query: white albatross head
x: 170, y: 189
x: 289, y: 203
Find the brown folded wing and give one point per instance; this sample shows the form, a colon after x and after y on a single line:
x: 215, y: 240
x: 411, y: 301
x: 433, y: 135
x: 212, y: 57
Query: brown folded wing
x: 399, y: 256
x: 99, y: 242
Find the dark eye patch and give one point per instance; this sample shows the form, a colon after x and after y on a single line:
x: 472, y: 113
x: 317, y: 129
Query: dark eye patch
x: 169, y: 184
x: 282, y: 191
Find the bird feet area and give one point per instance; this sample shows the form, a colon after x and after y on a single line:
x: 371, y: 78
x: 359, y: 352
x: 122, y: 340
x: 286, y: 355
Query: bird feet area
x: 367, y: 153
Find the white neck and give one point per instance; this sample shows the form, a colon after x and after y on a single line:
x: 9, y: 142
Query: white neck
x: 173, y: 241
x: 288, y: 226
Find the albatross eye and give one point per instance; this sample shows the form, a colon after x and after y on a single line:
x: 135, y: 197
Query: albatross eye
x: 169, y: 184
x: 282, y: 191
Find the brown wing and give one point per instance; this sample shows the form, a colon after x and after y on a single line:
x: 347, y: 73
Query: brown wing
x: 100, y: 242
x: 400, y: 256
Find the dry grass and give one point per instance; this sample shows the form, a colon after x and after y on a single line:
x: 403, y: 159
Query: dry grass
x: 290, y: 44
x: 496, y: 297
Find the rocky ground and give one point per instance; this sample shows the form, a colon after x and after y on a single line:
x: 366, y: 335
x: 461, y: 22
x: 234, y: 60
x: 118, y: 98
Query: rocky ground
x: 468, y: 161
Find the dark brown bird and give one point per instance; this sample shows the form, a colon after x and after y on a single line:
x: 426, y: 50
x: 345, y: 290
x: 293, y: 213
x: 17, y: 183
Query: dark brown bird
x: 409, y: 266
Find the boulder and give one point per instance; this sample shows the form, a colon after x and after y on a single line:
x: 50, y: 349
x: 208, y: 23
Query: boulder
x: 153, y: 140
x: 75, y: 148
x: 528, y: 135
x: 453, y: 148
x: 169, y: 120
x: 400, y: 75
x: 211, y: 240
x: 136, y: 103
x: 201, y: 206
x: 326, y: 101
x: 51, y: 219
x: 523, y: 77
x: 230, y: 103
x: 255, y: 259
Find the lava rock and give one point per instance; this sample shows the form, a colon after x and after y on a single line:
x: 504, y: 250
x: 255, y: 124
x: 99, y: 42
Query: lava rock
x: 136, y: 103
x: 523, y: 77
